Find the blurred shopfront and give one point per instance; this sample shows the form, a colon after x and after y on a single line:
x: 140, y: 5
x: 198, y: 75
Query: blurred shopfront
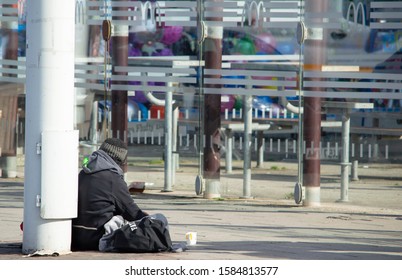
x: 309, y: 82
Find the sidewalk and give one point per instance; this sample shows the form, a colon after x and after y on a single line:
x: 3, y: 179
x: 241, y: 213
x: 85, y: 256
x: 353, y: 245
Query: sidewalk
x: 269, y: 226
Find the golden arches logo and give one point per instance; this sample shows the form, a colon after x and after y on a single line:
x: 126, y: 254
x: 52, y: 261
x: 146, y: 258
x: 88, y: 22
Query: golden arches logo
x: 250, y: 9
x: 356, y: 9
x: 149, y: 10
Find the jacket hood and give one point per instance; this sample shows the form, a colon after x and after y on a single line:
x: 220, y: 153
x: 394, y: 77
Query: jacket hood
x: 99, y: 161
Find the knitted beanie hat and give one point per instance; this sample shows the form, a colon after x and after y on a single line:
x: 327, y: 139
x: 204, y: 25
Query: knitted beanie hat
x: 116, y: 149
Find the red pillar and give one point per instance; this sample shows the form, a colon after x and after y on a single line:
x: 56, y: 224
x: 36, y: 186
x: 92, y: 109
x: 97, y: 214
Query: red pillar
x: 119, y: 97
x: 314, y: 58
x: 212, y: 112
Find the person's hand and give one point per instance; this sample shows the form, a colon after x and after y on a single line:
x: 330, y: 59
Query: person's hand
x: 113, y: 224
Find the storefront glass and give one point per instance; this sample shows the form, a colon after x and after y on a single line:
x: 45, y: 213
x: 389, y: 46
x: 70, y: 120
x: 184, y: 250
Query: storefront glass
x: 235, y: 95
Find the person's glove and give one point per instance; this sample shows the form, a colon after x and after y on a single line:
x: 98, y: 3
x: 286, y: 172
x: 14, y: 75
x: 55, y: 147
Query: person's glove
x: 114, y: 223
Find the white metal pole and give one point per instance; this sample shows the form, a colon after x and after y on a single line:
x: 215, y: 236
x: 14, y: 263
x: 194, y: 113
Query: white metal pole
x: 175, y: 153
x: 51, y: 146
x: 229, y: 149
x: 81, y: 50
x: 345, y: 164
x: 248, y: 118
x: 168, y: 140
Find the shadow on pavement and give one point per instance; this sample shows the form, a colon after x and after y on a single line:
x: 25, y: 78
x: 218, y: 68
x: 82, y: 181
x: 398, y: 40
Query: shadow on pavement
x: 11, y: 248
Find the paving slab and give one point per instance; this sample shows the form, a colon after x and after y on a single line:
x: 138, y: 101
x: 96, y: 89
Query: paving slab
x: 268, y: 226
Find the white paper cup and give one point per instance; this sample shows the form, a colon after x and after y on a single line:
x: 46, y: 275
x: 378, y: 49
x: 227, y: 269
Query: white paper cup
x: 191, y: 238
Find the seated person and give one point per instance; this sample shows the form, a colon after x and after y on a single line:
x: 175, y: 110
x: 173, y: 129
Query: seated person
x: 102, y: 195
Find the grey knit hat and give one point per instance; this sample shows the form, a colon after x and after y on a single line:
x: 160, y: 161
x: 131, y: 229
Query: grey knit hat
x: 116, y: 149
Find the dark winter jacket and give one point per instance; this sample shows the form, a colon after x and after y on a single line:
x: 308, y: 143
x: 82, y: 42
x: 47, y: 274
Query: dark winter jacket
x: 102, y: 194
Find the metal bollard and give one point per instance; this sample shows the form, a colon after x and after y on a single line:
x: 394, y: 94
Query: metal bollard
x: 355, y: 176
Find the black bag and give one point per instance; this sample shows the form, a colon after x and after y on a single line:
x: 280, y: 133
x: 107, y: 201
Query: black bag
x: 144, y: 236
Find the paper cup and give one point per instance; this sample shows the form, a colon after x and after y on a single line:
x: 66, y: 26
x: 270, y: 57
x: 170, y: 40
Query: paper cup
x: 191, y: 238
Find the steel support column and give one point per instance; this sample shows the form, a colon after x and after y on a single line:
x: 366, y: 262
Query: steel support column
x: 212, y: 111
x: 314, y: 57
x: 50, y: 190
x: 119, y: 97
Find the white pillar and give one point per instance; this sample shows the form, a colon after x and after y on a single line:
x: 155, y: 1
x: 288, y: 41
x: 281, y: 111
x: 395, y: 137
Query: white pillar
x: 51, y: 146
x: 81, y: 52
x: 168, y: 141
x: 248, y: 118
x: 229, y: 149
x: 345, y: 164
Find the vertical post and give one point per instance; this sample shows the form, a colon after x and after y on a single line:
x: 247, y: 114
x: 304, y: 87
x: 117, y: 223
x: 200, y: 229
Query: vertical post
x: 81, y: 50
x: 311, y: 159
x: 212, y: 110
x: 49, y: 134
x: 260, y: 149
x: 175, y: 134
x: 168, y: 141
x: 94, y: 125
x: 314, y: 56
x: 229, y: 150
x: 345, y: 164
x: 355, y: 173
x: 9, y: 160
x: 248, y: 118
x: 119, y: 97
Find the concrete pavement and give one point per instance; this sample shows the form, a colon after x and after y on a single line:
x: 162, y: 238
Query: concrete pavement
x: 269, y: 226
